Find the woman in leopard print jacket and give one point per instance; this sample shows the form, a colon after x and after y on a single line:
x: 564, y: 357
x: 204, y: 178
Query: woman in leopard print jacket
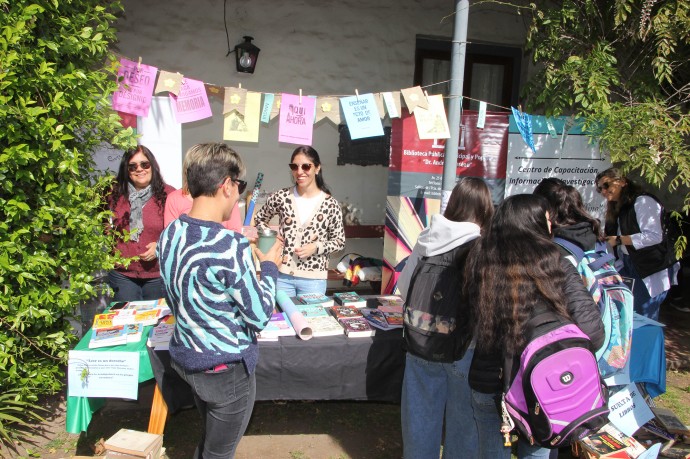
x: 310, y: 222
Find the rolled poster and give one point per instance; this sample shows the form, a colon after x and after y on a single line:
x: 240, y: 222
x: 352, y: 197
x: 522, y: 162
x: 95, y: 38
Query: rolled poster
x: 299, y: 323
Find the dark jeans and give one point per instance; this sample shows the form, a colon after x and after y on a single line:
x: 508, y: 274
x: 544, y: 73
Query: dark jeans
x: 225, y: 400
x: 132, y: 289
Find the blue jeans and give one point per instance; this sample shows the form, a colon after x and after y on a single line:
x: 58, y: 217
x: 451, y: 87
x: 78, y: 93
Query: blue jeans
x: 644, y: 304
x: 293, y: 285
x: 488, y: 422
x: 225, y: 400
x: 133, y: 289
x: 429, y: 390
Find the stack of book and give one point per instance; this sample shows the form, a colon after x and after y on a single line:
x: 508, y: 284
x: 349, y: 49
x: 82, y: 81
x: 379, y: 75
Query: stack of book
x: 112, y: 332
x: 132, y: 444
x: 352, y: 320
x: 314, y: 298
x: 610, y: 442
x: 278, y: 326
x: 382, y: 320
x: 160, y: 335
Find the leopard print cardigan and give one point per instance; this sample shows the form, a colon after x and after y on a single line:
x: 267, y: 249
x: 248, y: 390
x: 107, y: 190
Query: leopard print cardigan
x: 325, y: 228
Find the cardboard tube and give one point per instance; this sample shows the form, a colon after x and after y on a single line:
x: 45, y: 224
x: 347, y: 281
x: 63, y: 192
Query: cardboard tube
x: 299, y: 323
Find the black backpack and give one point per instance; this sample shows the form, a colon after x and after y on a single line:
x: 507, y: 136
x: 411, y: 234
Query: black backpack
x: 435, y: 322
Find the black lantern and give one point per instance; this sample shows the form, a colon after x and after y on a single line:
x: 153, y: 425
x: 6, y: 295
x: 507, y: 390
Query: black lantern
x: 246, y: 55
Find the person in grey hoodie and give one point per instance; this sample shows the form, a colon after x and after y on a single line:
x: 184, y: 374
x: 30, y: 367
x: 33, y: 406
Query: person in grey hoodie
x: 433, y: 390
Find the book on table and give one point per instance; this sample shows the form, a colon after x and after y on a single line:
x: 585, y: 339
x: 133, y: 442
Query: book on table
x: 112, y: 336
x: 394, y: 319
x: 349, y: 298
x: 277, y: 326
x: 632, y: 447
x: 603, y: 444
x: 376, y: 319
x: 312, y: 310
x: 134, y: 332
x: 314, y: 298
x: 133, y: 443
x: 346, y: 311
x: 160, y: 335
x: 324, y: 326
x: 356, y: 327
x: 670, y: 421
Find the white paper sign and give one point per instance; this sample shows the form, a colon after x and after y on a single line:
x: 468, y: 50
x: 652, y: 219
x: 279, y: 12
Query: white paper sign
x: 103, y: 374
x: 652, y: 452
x: 628, y: 411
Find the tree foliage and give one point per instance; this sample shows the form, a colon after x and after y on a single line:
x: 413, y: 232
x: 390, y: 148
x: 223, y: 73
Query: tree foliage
x: 56, y: 77
x: 624, y: 67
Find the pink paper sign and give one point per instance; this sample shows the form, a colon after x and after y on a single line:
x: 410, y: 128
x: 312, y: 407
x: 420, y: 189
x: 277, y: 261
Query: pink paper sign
x: 136, y: 88
x: 296, y: 119
x: 192, y: 102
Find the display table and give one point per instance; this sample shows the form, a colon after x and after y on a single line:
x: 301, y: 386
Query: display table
x: 323, y: 368
x: 648, y: 358
x: 80, y: 409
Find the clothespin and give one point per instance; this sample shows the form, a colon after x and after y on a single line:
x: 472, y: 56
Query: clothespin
x: 139, y: 64
x: 239, y: 85
x: 357, y: 93
x: 300, y: 97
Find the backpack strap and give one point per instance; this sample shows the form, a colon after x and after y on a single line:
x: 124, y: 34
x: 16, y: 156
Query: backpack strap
x: 574, y: 249
x: 606, y: 257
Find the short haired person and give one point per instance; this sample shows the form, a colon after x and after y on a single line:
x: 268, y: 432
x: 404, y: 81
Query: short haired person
x: 137, y: 201
x: 311, y: 222
x: 217, y: 299
x: 633, y: 228
x: 180, y: 201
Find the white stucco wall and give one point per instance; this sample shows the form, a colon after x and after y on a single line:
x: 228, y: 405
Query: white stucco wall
x: 323, y: 47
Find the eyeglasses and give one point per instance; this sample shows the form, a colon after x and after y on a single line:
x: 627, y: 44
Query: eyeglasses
x: 306, y: 167
x: 604, y: 186
x: 241, y: 185
x: 145, y: 165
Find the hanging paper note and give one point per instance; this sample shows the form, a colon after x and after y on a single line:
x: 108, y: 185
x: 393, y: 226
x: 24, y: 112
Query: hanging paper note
x: 192, y: 103
x: 136, y: 88
x: 432, y: 123
x: 296, y: 119
x: 361, y: 116
x: 566, y: 127
x: 524, y: 125
x: 414, y: 97
x: 328, y: 107
x: 244, y: 127
x: 168, y: 81
x: 481, y: 117
x: 266, y: 107
x: 215, y: 91
x: 235, y: 99
x: 277, y: 102
x: 392, y: 100
x: 551, y: 128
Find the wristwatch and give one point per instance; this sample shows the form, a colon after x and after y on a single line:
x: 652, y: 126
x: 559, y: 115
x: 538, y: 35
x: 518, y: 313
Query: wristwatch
x: 618, y: 240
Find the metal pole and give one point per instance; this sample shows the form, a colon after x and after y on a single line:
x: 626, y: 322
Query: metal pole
x: 457, y: 73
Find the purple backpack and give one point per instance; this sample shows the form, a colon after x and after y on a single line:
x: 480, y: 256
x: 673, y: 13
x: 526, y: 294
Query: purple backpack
x: 557, y: 395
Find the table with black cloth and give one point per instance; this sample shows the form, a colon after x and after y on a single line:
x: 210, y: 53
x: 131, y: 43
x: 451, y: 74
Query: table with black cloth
x: 322, y: 368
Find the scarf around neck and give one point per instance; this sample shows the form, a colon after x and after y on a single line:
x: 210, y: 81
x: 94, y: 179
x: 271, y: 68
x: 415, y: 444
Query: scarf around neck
x: 137, y: 200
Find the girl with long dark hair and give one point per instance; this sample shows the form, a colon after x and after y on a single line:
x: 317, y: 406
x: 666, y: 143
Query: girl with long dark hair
x: 513, y: 272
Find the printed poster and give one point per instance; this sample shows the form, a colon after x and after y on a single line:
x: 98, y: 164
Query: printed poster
x: 192, y: 102
x: 113, y: 374
x: 244, y: 127
x: 362, y: 116
x: 296, y: 119
x: 136, y: 88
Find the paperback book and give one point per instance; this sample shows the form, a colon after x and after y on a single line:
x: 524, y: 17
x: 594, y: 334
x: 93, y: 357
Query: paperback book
x: 133, y: 443
x: 113, y: 336
x: 315, y: 298
x: 376, y: 319
x: 345, y: 312
x: 324, y: 326
x: 277, y: 326
x: 670, y: 421
x: 602, y: 444
x: 356, y: 327
x: 349, y: 298
x: 311, y: 310
x: 160, y: 335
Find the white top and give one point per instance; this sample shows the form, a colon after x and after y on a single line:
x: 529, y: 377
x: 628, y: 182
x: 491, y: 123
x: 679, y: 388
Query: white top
x: 648, y: 211
x: 305, y: 207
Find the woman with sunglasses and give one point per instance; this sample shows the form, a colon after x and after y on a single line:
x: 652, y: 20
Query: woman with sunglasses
x: 137, y: 201
x: 633, y: 228
x: 310, y: 222
x: 180, y: 201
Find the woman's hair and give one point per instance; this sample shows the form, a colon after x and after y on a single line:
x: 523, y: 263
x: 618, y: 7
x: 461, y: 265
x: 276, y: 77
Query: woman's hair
x: 629, y: 193
x: 121, y: 186
x: 312, y: 154
x: 470, y: 201
x: 567, y: 207
x: 514, y: 266
x: 209, y: 165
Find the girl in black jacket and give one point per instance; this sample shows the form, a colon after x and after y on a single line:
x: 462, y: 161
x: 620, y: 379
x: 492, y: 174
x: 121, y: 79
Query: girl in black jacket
x: 513, y: 270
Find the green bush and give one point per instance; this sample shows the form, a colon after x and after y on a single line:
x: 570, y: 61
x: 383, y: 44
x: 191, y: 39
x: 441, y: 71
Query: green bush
x: 56, y: 78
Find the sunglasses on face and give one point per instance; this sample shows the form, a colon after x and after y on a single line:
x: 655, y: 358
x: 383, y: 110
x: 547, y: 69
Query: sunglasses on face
x: 603, y: 186
x: 145, y: 165
x: 306, y: 167
x: 241, y: 185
